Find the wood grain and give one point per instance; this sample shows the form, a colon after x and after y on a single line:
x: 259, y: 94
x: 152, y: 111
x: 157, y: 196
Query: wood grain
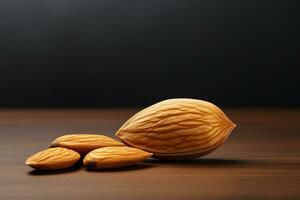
x: 260, y: 160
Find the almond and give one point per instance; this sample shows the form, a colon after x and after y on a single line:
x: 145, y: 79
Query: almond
x: 53, y: 158
x: 84, y: 143
x: 177, y: 129
x: 113, y: 157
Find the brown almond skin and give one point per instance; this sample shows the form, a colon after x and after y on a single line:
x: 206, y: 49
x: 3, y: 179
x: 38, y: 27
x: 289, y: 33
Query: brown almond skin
x: 114, y: 157
x: 177, y: 129
x: 53, y: 159
x: 84, y: 143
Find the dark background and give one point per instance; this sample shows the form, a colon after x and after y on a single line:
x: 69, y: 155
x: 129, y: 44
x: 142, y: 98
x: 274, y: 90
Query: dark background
x: 134, y: 53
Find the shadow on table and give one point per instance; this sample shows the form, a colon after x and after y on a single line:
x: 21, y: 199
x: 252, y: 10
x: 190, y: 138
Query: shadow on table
x: 205, y: 162
x: 202, y: 162
x: 78, y: 167
x: 135, y: 167
x: 75, y: 168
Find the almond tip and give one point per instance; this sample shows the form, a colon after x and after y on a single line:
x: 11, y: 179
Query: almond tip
x: 54, y: 144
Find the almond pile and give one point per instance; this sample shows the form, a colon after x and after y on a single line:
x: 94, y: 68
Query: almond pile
x: 98, y: 151
x: 174, y: 129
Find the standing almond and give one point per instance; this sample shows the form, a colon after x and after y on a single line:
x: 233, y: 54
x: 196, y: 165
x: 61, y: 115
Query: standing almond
x: 113, y: 157
x: 177, y: 129
x: 84, y: 143
x: 53, y: 158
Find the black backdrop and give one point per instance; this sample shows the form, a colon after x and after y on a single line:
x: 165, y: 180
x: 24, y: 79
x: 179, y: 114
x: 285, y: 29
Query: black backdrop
x: 133, y: 53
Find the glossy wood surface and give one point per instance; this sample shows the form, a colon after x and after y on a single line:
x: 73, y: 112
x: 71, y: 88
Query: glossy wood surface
x: 260, y: 160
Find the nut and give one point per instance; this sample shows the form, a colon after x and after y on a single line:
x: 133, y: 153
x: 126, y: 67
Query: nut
x: 53, y: 158
x: 113, y: 157
x: 177, y: 129
x: 83, y: 143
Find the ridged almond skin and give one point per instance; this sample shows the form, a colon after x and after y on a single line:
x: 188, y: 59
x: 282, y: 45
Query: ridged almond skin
x: 177, y: 129
x: 53, y: 159
x: 83, y: 143
x: 114, y: 157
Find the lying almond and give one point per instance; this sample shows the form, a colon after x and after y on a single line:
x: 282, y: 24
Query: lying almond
x: 84, y: 143
x: 53, y: 158
x: 177, y: 129
x: 113, y: 157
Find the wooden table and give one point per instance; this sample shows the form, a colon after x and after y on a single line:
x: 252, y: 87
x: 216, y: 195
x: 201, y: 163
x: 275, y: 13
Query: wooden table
x: 260, y: 160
